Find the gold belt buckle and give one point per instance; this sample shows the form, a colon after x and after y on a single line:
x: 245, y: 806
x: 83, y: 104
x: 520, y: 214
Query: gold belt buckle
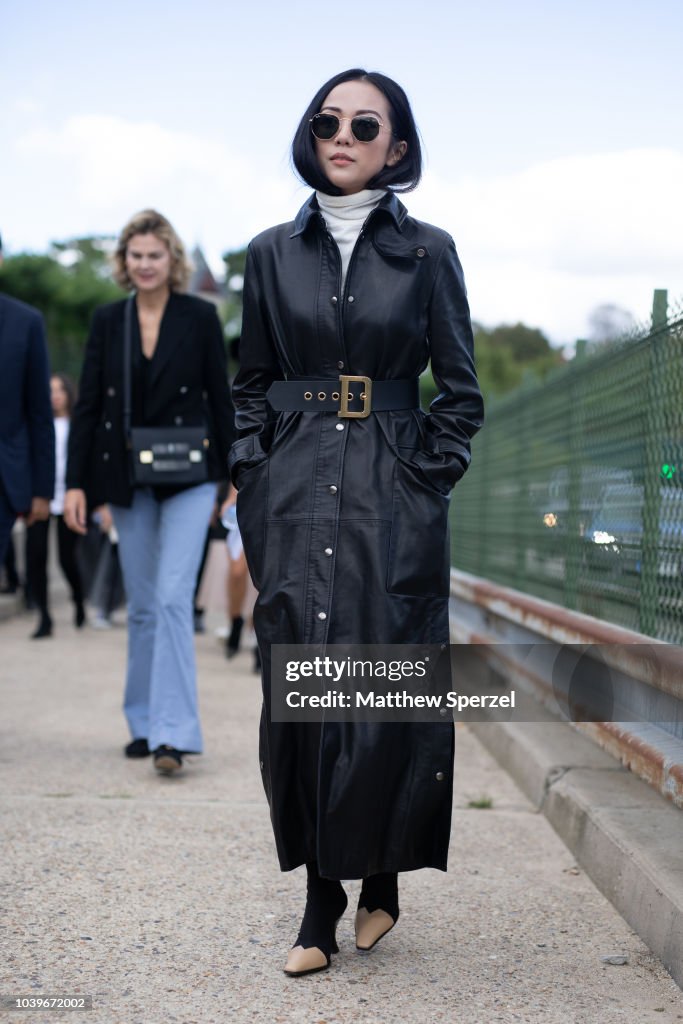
x: 345, y: 396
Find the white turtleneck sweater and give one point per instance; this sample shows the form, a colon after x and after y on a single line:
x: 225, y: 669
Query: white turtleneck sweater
x: 345, y: 216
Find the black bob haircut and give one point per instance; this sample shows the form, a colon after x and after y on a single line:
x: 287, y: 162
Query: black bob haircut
x: 402, y: 177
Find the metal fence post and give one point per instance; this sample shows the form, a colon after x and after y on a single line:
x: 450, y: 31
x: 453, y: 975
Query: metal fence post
x: 649, y: 587
x: 574, y: 492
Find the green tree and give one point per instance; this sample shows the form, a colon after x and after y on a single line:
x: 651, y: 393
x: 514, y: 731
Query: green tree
x: 65, y: 295
x: 508, y: 353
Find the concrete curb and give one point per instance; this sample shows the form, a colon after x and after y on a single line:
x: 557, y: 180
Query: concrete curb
x: 627, y: 837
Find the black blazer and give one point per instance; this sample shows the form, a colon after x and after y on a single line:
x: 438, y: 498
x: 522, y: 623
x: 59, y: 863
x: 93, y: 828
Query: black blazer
x: 27, y: 436
x: 187, y: 386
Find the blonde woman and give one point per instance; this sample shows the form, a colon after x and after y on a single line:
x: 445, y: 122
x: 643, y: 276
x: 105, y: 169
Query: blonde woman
x: 178, y: 377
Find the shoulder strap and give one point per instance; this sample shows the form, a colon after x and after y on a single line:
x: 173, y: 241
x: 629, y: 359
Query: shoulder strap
x: 127, y: 360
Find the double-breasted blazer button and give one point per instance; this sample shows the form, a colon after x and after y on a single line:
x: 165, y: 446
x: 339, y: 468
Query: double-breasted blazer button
x: 106, y: 456
x: 322, y: 616
x: 178, y: 421
x: 333, y: 489
x: 440, y: 776
x: 333, y: 300
x: 340, y: 365
x: 107, y: 425
x: 339, y: 426
x: 328, y: 551
x: 111, y: 392
x: 351, y: 299
x: 184, y: 389
x: 420, y: 253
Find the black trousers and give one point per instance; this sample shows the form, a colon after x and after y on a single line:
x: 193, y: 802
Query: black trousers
x: 36, y: 560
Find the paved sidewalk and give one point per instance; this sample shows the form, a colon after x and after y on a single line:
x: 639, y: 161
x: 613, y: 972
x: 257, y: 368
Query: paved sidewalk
x: 161, y: 898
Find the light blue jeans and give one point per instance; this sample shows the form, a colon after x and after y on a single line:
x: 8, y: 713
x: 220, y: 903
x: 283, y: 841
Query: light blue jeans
x: 160, y: 548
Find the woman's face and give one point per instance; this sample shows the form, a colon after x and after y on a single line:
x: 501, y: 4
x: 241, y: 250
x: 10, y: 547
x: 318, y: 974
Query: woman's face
x: 346, y: 162
x: 148, y: 262
x: 58, y: 397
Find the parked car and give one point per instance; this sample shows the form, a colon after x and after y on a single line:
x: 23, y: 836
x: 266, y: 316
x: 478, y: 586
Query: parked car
x: 614, y: 540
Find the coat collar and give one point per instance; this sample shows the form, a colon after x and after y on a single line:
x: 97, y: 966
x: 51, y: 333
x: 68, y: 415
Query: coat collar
x: 389, y: 204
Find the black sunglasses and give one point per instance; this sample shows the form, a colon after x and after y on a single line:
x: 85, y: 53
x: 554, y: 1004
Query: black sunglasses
x: 364, y: 127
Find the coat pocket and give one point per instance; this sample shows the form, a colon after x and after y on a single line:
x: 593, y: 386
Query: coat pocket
x: 246, y: 453
x: 251, y: 477
x: 419, y: 544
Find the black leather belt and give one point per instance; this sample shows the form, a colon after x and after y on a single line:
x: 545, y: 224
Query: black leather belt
x: 351, y: 397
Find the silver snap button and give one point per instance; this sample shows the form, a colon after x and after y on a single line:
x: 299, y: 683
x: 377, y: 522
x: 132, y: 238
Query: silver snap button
x: 420, y: 252
x: 106, y: 456
x: 178, y: 420
x: 340, y: 365
x: 183, y: 390
x: 111, y: 392
x: 333, y: 489
x: 440, y: 776
x: 107, y: 425
x: 333, y: 300
x: 328, y: 551
x: 340, y: 426
x: 322, y: 616
x: 351, y: 298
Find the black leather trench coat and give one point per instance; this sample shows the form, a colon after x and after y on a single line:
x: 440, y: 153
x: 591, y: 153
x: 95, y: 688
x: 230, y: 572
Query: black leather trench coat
x: 345, y: 521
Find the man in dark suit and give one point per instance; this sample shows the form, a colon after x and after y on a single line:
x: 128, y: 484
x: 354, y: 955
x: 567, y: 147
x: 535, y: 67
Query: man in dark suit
x: 27, y: 438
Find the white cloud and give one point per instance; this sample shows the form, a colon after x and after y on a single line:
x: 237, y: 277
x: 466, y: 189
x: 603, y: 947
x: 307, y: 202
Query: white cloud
x: 109, y: 167
x: 545, y: 245
x: 548, y: 244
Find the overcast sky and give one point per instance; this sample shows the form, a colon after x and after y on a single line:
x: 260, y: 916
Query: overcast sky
x: 552, y: 131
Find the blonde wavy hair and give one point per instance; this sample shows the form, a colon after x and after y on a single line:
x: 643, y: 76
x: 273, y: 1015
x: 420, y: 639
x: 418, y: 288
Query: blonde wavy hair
x: 150, y: 222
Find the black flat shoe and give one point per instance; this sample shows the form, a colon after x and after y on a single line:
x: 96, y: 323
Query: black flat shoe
x: 167, y: 760
x: 44, y: 627
x: 137, y: 748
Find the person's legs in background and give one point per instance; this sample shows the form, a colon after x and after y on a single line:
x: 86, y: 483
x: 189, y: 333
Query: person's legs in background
x: 36, y: 574
x: 174, y: 716
x: 138, y: 530
x: 67, y: 543
x: 238, y: 580
x: 7, y: 517
x: 11, y: 581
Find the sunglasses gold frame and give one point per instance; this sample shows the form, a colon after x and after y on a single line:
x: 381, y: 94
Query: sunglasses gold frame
x: 358, y: 117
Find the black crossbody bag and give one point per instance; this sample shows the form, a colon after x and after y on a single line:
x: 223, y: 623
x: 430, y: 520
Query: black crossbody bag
x: 159, y: 455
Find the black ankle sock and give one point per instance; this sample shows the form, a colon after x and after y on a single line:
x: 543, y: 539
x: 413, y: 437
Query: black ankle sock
x: 380, y: 892
x: 326, y: 901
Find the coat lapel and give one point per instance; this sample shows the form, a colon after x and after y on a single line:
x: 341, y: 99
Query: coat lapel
x: 172, y: 330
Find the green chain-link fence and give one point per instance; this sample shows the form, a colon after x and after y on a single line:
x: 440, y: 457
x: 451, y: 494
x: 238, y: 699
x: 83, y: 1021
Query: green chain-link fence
x: 576, y: 488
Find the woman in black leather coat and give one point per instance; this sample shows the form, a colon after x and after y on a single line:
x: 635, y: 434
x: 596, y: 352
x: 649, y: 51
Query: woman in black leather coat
x: 345, y: 520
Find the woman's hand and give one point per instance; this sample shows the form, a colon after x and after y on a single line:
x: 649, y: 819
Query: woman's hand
x: 76, y: 510
x: 40, y: 509
x: 105, y: 520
